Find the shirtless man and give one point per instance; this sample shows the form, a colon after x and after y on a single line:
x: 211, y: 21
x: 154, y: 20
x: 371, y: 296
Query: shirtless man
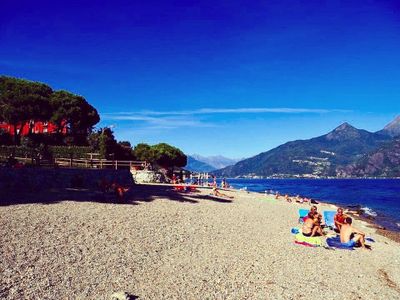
x: 351, y: 236
x: 339, y: 218
x: 311, y: 226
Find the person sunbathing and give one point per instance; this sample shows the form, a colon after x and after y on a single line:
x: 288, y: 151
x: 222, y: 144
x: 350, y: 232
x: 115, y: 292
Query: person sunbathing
x: 311, y: 226
x: 219, y: 194
x: 287, y: 198
x: 350, y: 236
x: 339, y: 219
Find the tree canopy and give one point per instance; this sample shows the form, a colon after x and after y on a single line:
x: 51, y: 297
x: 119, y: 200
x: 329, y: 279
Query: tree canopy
x: 22, y: 101
x: 104, y: 142
x: 161, y: 154
x: 72, y: 111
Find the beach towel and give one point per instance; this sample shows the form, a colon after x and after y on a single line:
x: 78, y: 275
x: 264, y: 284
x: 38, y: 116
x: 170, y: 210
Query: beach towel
x: 179, y: 188
x: 334, y: 242
x: 307, y: 241
x: 329, y: 217
x: 302, y: 214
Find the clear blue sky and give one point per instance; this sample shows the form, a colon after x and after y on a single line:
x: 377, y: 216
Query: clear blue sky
x: 213, y: 77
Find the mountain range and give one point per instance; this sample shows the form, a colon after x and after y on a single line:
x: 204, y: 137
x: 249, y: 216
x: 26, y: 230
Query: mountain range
x: 198, y: 163
x: 344, y: 152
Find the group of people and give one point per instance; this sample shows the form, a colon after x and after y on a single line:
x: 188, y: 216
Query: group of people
x: 349, y: 235
x: 296, y: 199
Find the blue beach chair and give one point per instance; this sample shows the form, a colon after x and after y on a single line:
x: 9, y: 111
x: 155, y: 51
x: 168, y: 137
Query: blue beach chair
x: 329, y: 217
x: 302, y: 213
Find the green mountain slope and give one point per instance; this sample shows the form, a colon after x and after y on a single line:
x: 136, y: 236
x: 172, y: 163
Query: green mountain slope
x: 383, y: 162
x: 320, y: 156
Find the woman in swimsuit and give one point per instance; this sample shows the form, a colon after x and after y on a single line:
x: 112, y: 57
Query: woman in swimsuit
x: 312, y: 226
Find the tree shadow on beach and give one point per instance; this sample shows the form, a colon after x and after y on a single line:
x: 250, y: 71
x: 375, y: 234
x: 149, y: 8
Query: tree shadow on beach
x: 137, y: 194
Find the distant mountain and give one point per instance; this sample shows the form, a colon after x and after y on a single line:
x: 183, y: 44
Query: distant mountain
x: 195, y: 165
x: 217, y: 162
x: 383, y: 162
x: 392, y: 129
x: 320, y: 156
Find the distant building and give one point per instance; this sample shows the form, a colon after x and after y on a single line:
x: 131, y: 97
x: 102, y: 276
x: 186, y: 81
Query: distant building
x: 37, y: 127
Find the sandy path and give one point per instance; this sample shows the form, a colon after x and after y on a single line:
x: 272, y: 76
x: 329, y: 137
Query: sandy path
x: 192, y: 248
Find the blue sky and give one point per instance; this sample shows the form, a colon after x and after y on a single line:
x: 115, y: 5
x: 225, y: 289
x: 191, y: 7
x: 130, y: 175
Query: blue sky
x: 217, y: 77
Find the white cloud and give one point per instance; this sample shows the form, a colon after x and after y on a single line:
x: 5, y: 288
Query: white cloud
x: 159, y: 122
x: 210, y: 111
x: 187, y: 118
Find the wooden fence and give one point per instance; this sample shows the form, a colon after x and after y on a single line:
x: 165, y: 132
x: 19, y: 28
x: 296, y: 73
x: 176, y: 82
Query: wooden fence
x: 98, y: 163
x: 88, y: 163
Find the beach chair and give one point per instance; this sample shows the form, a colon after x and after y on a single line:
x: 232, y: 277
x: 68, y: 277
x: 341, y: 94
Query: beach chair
x: 302, y: 213
x: 329, y: 217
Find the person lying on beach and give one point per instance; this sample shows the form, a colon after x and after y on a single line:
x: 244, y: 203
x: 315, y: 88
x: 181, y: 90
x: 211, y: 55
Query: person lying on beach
x: 119, y: 191
x: 287, y: 198
x: 219, y: 194
x: 311, y: 226
x: 339, y: 219
x: 298, y: 199
x: 350, y: 236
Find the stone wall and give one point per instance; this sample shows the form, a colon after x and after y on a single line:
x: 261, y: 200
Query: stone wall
x: 38, y: 179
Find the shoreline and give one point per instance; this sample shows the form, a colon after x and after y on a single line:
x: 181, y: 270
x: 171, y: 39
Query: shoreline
x: 381, y: 230
x: 382, y: 221
x: 370, y: 222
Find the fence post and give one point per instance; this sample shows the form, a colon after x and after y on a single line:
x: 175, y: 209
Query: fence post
x: 86, y: 163
x: 116, y: 165
x: 70, y: 162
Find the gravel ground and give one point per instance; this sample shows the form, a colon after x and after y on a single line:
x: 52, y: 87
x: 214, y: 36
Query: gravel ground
x: 163, y: 245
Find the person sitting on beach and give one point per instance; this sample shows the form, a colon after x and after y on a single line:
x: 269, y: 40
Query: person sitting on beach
x: 313, y: 210
x: 339, y: 219
x: 287, y: 198
x: 219, y: 194
x: 311, y: 226
x: 223, y: 183
x: 277, y: 195
x: 350, y: 236
x: 119, y: 191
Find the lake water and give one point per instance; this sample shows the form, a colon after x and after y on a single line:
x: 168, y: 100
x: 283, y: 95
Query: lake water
x: 379, y: 198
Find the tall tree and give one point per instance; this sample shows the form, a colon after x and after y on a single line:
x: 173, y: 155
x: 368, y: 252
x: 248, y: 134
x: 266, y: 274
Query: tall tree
x: 144, y: 152
x: 73, y: 112
x: 22, y: 101
x: 168, y: 156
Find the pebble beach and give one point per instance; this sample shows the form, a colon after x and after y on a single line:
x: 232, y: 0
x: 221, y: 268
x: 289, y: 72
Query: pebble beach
x: 161, y: 244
